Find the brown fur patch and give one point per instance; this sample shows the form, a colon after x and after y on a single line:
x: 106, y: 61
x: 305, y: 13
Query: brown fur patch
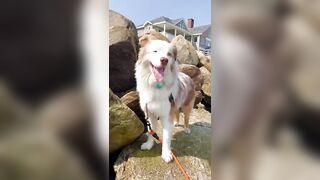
x: 191, y: 95
x: 154, y: 35
x: 143, y: 41
x: 172, y: 67
x: 173, y: 113
x: 175, y: 52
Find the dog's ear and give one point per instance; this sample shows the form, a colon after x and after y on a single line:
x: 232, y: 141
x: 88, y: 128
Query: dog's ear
x: 144, y: 40
x: 141, y: 54
x: 175, y: 52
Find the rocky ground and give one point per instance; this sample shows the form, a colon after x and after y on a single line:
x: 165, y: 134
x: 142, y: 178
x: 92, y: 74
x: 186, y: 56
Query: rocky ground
x: 193, y: 151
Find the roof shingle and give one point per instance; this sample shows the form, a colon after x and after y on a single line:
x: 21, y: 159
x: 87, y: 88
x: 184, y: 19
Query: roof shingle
x: 199, y: 29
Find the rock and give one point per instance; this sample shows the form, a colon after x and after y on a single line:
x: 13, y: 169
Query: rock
x: 194, y: 73
x: 193, y: 151
x: 186, y: 52
x: 123, y: 50
x: 199, y: 98
x: 154, y: 35
x: 121, y: 58
x: 37, y: 156
x: 204, y: 60
x: 124, y: 124
x: 68, y: 116
x: 131, y: 99
x: 122, y: 29
x: 206, y: 87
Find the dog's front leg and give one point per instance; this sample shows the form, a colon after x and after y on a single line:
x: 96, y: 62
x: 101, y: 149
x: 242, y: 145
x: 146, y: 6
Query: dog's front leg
x: 167, y: 125
x: 150, y: 142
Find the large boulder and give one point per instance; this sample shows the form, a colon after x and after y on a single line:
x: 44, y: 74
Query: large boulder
x: 123, y: 48
x: 122, y: 29
x: 193, y: 72
x: 186, y: 52
x: 206, y: 87
x: 204, y: 60
x: 37, y: 155
x: 124, y: 125
x: 193, y: 151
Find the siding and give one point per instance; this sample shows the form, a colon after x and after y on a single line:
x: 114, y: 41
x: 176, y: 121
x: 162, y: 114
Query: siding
x: 203, y: 41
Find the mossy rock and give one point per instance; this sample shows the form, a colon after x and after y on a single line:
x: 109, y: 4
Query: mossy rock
x: 124, y: 124
x: 193, y: 151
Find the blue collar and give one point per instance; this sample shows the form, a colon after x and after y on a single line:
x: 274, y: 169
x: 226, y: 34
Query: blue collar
x: 159, y: 85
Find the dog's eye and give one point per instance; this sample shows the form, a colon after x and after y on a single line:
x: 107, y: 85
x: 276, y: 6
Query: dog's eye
x: 155, y: 51
x: 169, y: 54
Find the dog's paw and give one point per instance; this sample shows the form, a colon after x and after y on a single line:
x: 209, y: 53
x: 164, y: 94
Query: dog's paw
x: 167, y: 156
x: 147, y: 145
x: 176, y: 124
x: 187, y: 130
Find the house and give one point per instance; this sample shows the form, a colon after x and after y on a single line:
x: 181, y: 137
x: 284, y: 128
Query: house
x: 199, y: 36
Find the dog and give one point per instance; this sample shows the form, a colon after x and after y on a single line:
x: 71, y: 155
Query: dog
x: 163, y: 90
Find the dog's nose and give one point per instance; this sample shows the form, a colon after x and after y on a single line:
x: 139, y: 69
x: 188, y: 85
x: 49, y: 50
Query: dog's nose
x: 164, y: 61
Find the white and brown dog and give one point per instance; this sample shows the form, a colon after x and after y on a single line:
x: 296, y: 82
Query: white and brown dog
x: 163, y: 90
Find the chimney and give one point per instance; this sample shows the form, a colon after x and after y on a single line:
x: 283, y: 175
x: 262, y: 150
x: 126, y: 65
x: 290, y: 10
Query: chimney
x: 190, y: 23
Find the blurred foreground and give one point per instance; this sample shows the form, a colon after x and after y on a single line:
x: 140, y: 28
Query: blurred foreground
x: 266, y: 105
x: 46, y: 113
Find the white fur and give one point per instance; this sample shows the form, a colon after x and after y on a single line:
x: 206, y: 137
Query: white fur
x: 157, y: 100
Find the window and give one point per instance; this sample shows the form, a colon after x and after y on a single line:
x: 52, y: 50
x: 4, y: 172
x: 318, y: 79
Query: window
x: 195, y: 39
x: 147, y: 28
x: 182, y: 25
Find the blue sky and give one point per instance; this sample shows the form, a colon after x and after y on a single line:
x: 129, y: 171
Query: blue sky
x: 140, y: 11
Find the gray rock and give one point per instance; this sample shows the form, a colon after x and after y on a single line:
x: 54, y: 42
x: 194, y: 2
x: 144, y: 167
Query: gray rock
x: 186, y: 52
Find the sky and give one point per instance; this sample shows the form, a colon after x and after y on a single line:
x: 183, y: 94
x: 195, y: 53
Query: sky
x: 139, y: 11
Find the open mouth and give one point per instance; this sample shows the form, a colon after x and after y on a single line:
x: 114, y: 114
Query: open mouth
x: 158, y: 72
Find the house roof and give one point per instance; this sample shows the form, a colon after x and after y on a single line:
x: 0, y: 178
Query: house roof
x: 199, y: 29
x: 160, y: 19
x: 163, y: 18
x: 176, y: 21
x: 195, y: 30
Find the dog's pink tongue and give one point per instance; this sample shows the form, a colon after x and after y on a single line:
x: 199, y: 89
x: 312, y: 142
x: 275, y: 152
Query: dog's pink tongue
x: 158, y: 73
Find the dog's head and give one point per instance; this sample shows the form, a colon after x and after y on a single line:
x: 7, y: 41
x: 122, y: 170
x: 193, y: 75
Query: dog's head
x: 160, y: 56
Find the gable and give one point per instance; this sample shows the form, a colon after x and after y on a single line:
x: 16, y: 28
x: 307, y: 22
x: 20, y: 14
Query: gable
x: 147, y: 23
x: 182, y: 25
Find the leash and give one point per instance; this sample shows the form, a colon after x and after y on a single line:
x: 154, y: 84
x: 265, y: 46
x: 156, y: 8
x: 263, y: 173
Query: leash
x: 159, y: 141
